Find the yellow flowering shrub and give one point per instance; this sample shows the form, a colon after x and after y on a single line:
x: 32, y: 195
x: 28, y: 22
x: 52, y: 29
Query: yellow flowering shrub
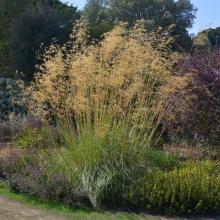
x: 194, y: 187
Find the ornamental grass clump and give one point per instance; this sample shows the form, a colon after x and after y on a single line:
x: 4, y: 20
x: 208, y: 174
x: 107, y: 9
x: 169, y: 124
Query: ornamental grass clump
x: 122, y: 74
x: 96, y: 88
x: 105, y: 100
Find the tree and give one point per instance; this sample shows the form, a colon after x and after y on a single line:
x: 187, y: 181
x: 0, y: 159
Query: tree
x: 207, y: 39
x: 35, y: 29
x: 97, y: 14
x: 16, y: 30
x: 9, y: 10
x: 158, y: 13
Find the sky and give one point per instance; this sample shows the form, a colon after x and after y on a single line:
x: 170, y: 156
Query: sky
x: 208, y: 14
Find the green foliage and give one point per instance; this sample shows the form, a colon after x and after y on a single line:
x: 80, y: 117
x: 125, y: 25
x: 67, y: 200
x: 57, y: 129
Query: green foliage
x: 11, y: 99
x: 102, y: 139
x: 27, y: 27
x: 12, y: 108
x: 160, y: 159
x: 164, y: 187
x: 179, y: 14
x: 99, y: 153
x: 192, y: 188
x: 97, y: 165
x: 108, y: 167
x: 206, y: 40
x: 30, y: 138
x: 98, y: 17
x: 34, y: 31
x: 43, y: 137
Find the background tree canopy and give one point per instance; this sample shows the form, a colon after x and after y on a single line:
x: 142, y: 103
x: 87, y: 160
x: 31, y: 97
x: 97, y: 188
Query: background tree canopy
x: 208, y: 39
x: 35, y: 30
x: 157, y: 13
x: 27, y: 27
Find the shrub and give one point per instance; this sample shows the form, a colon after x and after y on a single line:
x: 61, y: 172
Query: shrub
x: 192, y: 188
x: 193, y: 112
x: 12, y: 108
x: 103, y: 185
x: 12, y: 161
x: 33, y: 137
x: 11, y: 99
x: 161, y: 160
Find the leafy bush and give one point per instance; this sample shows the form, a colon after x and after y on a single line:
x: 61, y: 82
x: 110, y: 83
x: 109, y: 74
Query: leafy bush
x: 194, y: 108
x: 37, y: 137
x: 12, y: 108
x: 192, y: 188
x: 160, y: 159
x: 11, y: 99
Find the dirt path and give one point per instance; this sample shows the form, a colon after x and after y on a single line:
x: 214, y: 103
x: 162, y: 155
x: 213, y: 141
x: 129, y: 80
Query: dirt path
x: 10, y: 210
